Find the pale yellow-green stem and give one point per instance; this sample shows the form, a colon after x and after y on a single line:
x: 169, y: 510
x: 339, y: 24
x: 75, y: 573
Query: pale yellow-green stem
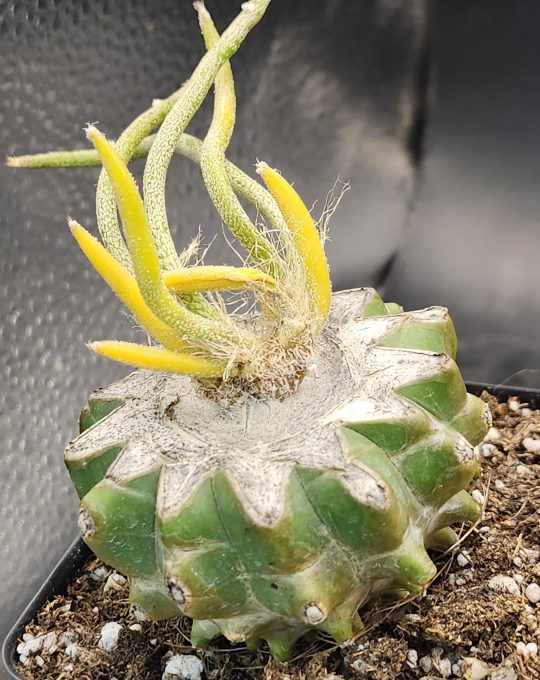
x: 306, y: 238
x: 212, y: 159
x: 193, y: 93
x: 126, y: 144
x: 126, y: 288
x: 80, y: 158
x: 190, y: 147
x: 106, y: 213
x: 157, y: 358
x: 144, y: 254
x: 215, y: 277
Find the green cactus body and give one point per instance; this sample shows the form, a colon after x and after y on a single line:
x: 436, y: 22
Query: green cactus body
x: 266, y: 519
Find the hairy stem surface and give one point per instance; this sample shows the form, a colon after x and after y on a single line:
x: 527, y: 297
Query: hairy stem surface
x: 212, y: 159
x: 188, y: 146
x: 183, y: 110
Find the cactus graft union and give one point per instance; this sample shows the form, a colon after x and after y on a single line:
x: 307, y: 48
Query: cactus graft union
x: 266, y: 472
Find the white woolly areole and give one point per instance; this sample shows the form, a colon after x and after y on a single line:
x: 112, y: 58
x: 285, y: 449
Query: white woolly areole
x: 313, y: 614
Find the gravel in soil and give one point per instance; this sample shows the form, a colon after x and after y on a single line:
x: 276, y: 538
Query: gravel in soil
x: 480, y: 618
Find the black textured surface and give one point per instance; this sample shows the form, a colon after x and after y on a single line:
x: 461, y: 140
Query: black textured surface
x: 325, y: 87
x: 473, y: 241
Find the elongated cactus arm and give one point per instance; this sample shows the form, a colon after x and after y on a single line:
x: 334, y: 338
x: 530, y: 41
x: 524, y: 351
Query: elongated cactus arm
x: 125, y: 146
x: 130, y: 204
x: 105, y: 202
x: 193, y: 279
x: 181, y: 114
x: 212, y: 158
x: 125, y: 287
x: 188, y: 146
x: 143, y: 250
x: 306, y: 237
x: 157, y: 358
x: 80, y: 158
x: 106, y: 205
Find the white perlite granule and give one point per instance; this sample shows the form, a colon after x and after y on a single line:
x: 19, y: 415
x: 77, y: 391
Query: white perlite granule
x: 108, y: 638
x: 532, y: 593
x: 183, y: 667
x: 503, y: 583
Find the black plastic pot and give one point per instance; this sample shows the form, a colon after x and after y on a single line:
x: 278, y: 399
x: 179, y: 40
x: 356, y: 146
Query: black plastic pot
x: 74, y: 559
x: 69, y: 565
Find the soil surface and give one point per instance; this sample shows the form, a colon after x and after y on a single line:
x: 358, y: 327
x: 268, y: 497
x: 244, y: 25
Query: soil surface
x: 480, y: 618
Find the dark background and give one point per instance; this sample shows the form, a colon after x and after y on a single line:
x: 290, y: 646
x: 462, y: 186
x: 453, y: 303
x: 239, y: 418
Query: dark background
x: 431, y: 111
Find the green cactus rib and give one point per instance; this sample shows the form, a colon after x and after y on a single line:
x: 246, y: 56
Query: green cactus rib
x: 266, y: 520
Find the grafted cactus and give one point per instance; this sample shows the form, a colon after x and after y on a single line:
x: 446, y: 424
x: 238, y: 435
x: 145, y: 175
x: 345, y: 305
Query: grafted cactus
x: 269, y: 473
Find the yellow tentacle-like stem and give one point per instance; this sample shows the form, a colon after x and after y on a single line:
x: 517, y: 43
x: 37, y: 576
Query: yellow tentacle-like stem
x: 139, y: 237
x: 305, y: 235
x: 193, y: 279
x: 142, y: 249
x: 157, y: 358
x: 125, y: 287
